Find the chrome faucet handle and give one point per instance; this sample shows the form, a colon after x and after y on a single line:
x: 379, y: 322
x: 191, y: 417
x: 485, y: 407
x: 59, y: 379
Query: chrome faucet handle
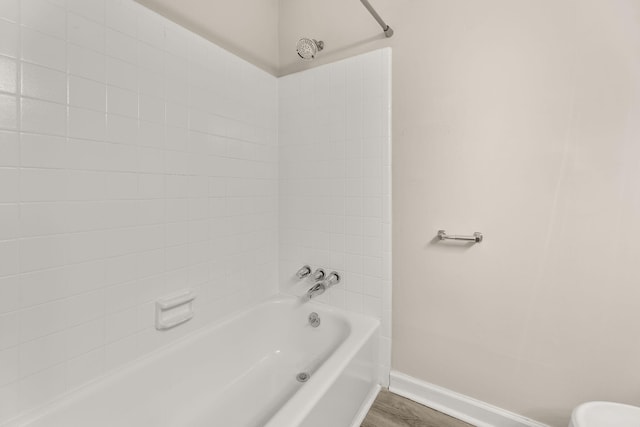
x: 332, y: 279
x: 303, y: 272
x: 318, y: 274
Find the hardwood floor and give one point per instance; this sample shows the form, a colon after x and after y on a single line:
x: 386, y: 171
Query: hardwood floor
x: 391, y: 410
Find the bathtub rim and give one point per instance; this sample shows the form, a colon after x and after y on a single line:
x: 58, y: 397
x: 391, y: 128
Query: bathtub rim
x: 357, y: 322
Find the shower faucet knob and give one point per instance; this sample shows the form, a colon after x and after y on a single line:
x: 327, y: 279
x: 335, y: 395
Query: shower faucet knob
x: 333, y: 278
x: 318, y: 274
x: 303, y: 272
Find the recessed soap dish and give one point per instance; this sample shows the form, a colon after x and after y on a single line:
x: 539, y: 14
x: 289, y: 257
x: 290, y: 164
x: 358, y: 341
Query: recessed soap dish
x: 174, y: 310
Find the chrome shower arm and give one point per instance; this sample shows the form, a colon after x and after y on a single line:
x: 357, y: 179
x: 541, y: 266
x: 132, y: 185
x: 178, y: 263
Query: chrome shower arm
x: 387, y: 29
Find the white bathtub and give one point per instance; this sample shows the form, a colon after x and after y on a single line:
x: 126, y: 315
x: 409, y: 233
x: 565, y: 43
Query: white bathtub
x: 240, y: 372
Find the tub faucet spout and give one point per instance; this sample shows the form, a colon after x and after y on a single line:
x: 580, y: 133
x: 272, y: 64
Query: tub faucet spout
x: 317, y: 289
x: 322, y: 286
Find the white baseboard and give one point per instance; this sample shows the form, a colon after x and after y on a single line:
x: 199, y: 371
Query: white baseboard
x: 459, y: 406
x: 366, y: 405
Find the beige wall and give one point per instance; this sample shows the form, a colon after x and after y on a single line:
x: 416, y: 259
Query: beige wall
x: 519, y: 119
x: 248, y: 28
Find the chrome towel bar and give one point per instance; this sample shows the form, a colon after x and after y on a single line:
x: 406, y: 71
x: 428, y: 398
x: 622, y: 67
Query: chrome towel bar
x: 476, y: 237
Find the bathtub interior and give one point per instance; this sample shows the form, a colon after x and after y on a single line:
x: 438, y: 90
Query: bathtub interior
x: 344, y: 399
x: 213, y: 376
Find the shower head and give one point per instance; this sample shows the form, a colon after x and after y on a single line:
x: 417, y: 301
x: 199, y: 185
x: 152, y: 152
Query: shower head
x: 308, y: 48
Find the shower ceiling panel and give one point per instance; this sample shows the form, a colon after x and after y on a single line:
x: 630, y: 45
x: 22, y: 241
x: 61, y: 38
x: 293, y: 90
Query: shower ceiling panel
x: 247, y: 28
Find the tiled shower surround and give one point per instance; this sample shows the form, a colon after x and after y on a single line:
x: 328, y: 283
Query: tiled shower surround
x: 138, y: 159
x: 335, y: 184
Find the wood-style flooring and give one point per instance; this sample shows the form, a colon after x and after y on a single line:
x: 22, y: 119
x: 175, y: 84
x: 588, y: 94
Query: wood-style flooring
x: 391, y: 410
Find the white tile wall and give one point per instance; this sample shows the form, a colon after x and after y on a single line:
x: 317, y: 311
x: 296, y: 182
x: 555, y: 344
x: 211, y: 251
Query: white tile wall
x: 335, y: 183
x: 135, y: 159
